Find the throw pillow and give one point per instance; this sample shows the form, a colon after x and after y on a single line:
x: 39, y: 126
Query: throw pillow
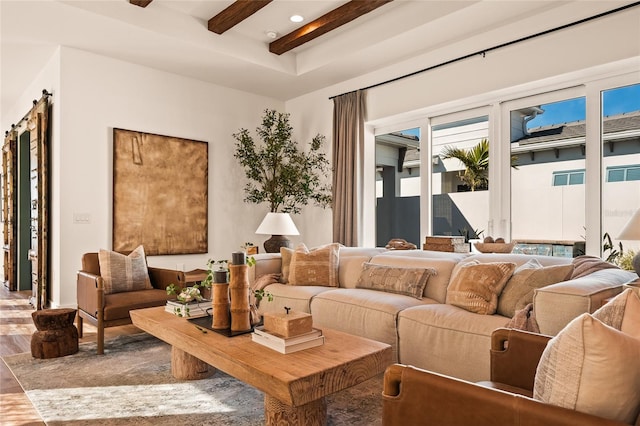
x: 407, y: 281
x: 622, y: 313
x: 518, y: 292
x: 124, y: 273
x: 318, y: 266
x: 476, y: 286
x: 592, y: 368
x: 286, y: 254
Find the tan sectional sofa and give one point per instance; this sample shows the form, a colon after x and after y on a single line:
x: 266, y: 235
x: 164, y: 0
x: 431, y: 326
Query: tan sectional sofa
x: 429, y: 333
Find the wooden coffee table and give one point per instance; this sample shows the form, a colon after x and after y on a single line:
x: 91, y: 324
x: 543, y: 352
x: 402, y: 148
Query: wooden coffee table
x: 295, y: 385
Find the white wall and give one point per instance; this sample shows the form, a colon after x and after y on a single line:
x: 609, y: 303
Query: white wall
x: 97, y: 94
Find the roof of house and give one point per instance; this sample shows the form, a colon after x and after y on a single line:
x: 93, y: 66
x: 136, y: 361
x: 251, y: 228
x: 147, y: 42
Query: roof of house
x: 577, y: 129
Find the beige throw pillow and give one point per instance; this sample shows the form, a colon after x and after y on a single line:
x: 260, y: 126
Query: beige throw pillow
x: 124, y: 273
x: 318, y: 266
x: 407, y: 281
x: 622, y: 313
x: 592, y: 368
x: 476, y: 286
x: 518, y: 292
x: 285, y: 254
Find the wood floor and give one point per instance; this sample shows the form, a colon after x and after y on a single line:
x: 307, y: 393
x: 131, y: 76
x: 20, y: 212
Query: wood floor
x: 16, y: 328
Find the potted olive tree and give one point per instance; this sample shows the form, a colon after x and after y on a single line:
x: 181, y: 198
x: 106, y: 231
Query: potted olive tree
x: 281, y: 173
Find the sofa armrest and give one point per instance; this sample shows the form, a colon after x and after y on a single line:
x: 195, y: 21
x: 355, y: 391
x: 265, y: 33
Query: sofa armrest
x: 161, y: 278
x: 266, y: 263
x: 515, y: 355
x: 90, y: 292
x: 556, y: 305
x: 417, y: 397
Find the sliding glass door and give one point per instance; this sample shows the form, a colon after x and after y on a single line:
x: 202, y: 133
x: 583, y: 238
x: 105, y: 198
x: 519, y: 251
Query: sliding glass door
x: 620, y: 140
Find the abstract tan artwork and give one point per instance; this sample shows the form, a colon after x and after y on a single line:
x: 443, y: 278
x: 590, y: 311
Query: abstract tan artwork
x: 160, y: 186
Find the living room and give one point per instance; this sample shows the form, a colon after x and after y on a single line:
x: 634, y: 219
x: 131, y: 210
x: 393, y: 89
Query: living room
x: 93, y: 93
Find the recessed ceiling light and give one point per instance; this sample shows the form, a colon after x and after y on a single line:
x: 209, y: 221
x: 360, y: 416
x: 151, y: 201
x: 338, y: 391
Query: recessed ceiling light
x: 271, y: 34
x: 296, y: 18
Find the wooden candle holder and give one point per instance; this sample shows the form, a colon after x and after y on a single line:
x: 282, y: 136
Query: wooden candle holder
x: 239, y: 292
x: 220, y: 305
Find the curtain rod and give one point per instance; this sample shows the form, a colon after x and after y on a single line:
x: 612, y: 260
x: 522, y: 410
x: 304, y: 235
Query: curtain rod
x: 45, y: 94
x: 484, y: 51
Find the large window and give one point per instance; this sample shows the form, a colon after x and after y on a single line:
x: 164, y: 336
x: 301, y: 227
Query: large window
x: 460, y: 175
x: 398, y: 186
x: 557, y: 170
x: 620, y: 140
x: 548, y: 139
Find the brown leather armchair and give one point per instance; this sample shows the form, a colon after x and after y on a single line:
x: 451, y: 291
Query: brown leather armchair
x: 412, y: 396
x: 110, y: 310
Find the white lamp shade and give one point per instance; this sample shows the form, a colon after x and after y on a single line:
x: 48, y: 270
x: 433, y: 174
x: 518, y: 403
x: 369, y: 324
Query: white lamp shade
x: 277, y: 224
x: 631, y: 231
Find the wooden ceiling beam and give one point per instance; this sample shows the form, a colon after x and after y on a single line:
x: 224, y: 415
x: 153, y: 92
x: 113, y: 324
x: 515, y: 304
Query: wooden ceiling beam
x: 237, y: 12
x: 330, y: 21
x: 141, y: 3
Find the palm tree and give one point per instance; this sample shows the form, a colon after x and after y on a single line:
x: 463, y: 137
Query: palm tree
x: 476, y: 163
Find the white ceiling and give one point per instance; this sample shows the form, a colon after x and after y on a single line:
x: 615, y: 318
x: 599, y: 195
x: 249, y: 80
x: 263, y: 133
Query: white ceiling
x: 171, y: 35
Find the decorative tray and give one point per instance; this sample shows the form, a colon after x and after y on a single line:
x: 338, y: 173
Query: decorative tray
x: 206, y: 322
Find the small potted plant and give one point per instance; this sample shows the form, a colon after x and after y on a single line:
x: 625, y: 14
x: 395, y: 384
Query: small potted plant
x: 186, y: 296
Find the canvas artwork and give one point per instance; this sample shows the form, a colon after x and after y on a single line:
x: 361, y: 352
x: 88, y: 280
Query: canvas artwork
x: 160, y: 187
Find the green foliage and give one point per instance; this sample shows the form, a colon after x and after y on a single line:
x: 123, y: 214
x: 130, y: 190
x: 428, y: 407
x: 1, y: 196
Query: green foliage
x: 609, y: 249
x: 625, y: 260
x: 470, y: 234
x: 280, y: 173
x: 476, y: 163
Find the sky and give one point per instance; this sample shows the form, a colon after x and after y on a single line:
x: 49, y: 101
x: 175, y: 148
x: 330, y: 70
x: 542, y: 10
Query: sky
x: 615, y: 101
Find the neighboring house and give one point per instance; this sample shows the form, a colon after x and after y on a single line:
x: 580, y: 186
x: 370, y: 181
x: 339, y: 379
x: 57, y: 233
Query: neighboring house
x: 549, y: 159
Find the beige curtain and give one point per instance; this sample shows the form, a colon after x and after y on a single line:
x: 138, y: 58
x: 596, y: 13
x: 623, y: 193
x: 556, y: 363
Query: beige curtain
x: 348, y: 144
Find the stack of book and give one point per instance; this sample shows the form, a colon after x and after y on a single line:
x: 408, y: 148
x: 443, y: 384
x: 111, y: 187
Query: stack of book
x: 188, y: 310
x: 450, y: 244
x: 286, y: 345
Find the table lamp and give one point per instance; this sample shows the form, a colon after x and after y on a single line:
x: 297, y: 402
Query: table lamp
x: 277, y: 225
x: 630, y: 232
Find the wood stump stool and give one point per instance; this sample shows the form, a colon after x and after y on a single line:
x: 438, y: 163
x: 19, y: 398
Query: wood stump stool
x: 56, y: 335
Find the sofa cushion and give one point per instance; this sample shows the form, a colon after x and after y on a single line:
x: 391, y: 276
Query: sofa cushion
x: 367, y: 313
x: 351, y: 260
x: 318, y: 266
x: 436, y: 287
x: 476, y: 286
x: 447, y: 339
x: 407, y: 281
x: 592, y: 368
x: 286, y: 254
x: 298, y: 298
x: 518, y: 292
x: 123, y: 273
x: 622, y: 313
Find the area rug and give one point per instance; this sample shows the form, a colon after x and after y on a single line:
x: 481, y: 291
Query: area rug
x: 132, y: 385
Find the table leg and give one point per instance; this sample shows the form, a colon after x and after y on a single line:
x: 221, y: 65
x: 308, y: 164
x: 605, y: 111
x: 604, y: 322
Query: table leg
x: 278, y: 413
x: 185, y: 366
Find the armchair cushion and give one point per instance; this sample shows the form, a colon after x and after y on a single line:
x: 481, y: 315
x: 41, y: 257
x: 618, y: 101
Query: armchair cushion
x: 592, y: 368
x: 622, y: 313
x: 124, y: 273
